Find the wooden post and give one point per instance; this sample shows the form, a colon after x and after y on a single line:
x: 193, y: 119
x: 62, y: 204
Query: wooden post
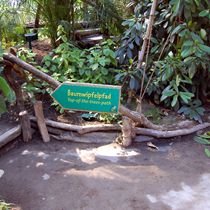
x: 23, y: 114
x: 38, y: 108
x: 26, y: 125
x: 127, y: 132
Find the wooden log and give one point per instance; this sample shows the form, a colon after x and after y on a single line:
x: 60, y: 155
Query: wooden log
x: 90, y: 138
x: 25, y: 125
x: 86, y: 32
x: 80, y: 128
x: 32, y: 70
x: 138, y: 117
x: 10, y: 135
x: 93, y: 39
x: 169, y: 134
x: 51, y: 130
x: 38, y: 108
x: 60, y: 133
x: 138, y: 131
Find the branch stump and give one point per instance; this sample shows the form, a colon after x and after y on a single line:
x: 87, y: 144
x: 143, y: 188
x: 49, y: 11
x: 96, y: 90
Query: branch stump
x: 26, y: 125
x: 127, y: 132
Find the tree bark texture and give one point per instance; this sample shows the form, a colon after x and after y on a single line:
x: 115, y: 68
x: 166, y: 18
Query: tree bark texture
x: 32, y: 70
x: 23, y: 114
x: 60, y: 128
x: 80, y: 128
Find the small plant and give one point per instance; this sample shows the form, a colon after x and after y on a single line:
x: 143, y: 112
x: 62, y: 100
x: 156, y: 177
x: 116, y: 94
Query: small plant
x: 32, y: 85
x: 6, y: 95
x: 5, y: 206
x: 109, y: 117
x: 26, y: 55
x: 69, y: 63
x: 154, y: 114
x: 205, y: 140
x: 194, y: 110
x: 172, y: 76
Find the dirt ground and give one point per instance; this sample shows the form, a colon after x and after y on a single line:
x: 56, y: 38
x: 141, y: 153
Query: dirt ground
x: 67, y: 176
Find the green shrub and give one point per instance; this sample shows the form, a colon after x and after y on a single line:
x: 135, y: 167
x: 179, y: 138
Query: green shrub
x: 69, y: 63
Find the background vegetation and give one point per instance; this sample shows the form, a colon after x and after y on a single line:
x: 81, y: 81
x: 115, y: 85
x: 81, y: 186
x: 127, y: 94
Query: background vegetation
x: 177, y: 68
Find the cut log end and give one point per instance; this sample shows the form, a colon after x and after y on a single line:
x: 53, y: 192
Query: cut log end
x: 26, y: 125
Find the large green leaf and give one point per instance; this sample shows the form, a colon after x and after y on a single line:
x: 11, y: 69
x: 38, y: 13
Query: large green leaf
x: 3, y: 108
x: 4, y: 87
x: 6, y: 90
x: 177, y: 29
x: 186, y: 96
x: 204, y: 48
x: 166, y: 94
x: 204, y: 13
x: 176, y: 7
x: 207, y: 152
x: 192, y: 70
x: 187, y: 51
x: 174, y: 101
x: 201, y: 140
x: 203, y: 33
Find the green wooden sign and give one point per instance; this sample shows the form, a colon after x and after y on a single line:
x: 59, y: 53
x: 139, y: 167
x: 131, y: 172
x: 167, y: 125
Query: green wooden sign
x: 88, y: 97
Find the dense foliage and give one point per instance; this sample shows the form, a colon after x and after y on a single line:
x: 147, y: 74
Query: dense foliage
x: 11, y: 23
x: 179, y: 56
x: 177, y: 62
x: 69, y: 63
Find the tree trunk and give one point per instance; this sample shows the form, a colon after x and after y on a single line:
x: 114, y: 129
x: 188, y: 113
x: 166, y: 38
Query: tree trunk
x: 37, y: 18
x: 127, y: 132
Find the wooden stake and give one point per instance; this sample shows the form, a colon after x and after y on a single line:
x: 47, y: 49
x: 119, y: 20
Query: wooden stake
x: 126, y: 132
x: 38, y: 108
x: 26, y: 125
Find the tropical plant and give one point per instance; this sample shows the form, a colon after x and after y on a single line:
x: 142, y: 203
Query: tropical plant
x: 31, y: 85
x: 6, y: 95
x: 132, y: 37
x: 69, y: 63
x: 178, y: 61
x: 205, y: 140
